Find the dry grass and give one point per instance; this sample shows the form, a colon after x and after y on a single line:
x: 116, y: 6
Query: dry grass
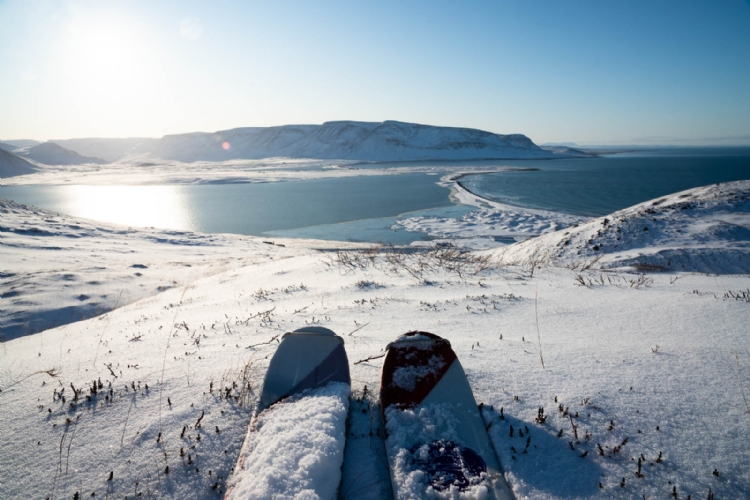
x: 418, y: 263
x: 237, y: 384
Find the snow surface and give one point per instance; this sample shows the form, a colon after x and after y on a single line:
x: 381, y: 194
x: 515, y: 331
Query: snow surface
x: 295, y: 448
x: 660, y: 358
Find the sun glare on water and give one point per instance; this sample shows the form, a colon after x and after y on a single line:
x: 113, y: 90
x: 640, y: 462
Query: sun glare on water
x: 157, y: 206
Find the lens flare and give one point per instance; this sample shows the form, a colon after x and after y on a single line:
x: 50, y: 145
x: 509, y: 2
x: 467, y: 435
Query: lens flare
x: 225, y: 145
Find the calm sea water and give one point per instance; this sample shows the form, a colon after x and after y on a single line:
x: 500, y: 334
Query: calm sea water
x: 599, y: 186
x: 364, y: 208
x: 321, y: 205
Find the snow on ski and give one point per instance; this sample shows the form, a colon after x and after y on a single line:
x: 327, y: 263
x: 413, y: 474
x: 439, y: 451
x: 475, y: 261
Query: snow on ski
x: 436, y: 442
x: 294, y: 446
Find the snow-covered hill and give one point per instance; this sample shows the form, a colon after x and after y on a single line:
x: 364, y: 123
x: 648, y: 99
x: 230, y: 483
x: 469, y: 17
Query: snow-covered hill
x: 570, y: 151
x: 643, y: 387
x: 50, y: 153
x: 345, y: 140
x: 7, y: 147
x: 106, y: 149
x: 336, y: 140
x: 22, y: 143
x: 11, y: 165
x: 705, y: 229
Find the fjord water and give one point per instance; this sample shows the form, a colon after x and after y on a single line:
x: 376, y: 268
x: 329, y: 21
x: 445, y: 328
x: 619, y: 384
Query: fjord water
x: 599, y: 186
x: 364, y: 208
x: 256, y: 208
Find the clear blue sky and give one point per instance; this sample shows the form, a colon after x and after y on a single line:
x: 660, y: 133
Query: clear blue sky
x: 591, y: 72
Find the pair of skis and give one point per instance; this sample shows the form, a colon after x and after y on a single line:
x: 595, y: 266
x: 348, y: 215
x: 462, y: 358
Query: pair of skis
x: 435, y: 439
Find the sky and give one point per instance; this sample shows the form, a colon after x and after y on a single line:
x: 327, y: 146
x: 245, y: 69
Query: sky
x: 586, y: 71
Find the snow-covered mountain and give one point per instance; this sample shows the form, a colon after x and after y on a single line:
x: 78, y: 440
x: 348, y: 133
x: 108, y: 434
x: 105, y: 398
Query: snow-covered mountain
x: 337, y: 140
x: 50, y: 153
x: 11, y: 165
x: 345, y: 140
x: 106, y: 149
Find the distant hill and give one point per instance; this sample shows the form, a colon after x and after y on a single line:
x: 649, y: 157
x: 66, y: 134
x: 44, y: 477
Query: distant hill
x: 50, y: 153
x: 107, y: 149
x: 11, y: 165
x: 568, y: 151
x: 345, y: 140
x: 22, y: 143
x: 336, y: 140
x: 563, y: 144
x: 7, y: 147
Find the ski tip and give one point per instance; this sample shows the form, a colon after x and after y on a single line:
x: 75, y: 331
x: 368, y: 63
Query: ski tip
x: 307, y: 358
x: 314, y: 330
x: 417, y: 336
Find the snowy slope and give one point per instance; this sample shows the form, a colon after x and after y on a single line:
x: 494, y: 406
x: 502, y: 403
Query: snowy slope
x: 345, y: 140
x: 106, y: 149
x: 56, y: 269
x: 50, y: 153
x: 662, y: 365
x: 705, y: 229
x: 11, y: 165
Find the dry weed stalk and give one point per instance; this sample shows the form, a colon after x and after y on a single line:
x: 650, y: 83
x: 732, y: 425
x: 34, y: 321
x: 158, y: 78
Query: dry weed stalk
x: 238, y: 383
x: 584, y: 265
x: 739, y: 376
x: 52, y: 372
x: 536, y: 316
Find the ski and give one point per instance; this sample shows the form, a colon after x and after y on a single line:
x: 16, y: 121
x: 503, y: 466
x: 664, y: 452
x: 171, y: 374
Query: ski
x: 294, y: 445
x: 436, y: 442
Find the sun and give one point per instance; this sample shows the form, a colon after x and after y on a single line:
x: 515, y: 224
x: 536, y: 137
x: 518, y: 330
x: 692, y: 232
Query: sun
x: 108, y: 64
